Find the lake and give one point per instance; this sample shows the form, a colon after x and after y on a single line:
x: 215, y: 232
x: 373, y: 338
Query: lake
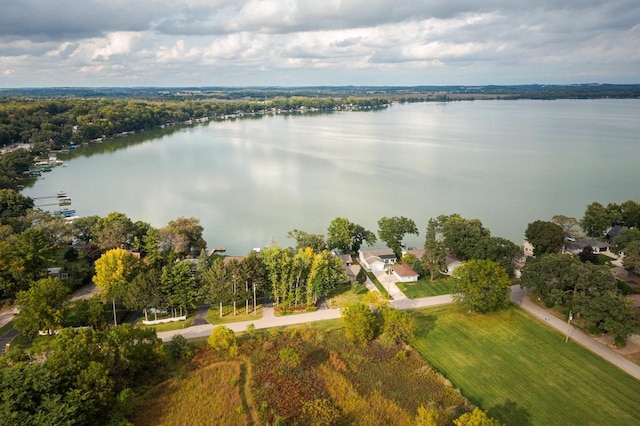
x: 251, y: 180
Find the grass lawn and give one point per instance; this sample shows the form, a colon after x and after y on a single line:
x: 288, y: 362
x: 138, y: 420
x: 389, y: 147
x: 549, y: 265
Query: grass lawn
x: 425, y: 288
x: 523, y: 372
x: 343, y: 295
x: 213, y: 315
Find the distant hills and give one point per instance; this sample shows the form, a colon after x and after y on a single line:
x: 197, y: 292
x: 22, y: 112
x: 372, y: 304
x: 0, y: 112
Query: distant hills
x: 530, y: 91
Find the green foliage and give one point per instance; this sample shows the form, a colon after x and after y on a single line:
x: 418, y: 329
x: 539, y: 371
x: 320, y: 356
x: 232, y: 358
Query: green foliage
x: 13, y: 204
x: 222, y: 339
x: 392, y: 230
x: 305, y: 240
x: 113, y: 231
x: 290, y: 358
x: 476, y: 418
x: 42, y: 307
x: 482, y: 286
x: 361, y: 276
x: 592, y: 293
x: 461, y: 236
x: 596, y: 220
x: 398, y: 326
x: 114, y: 271
x: 81, y: 377
x: 320, y: 412
x: 544, y: 236
x: 35, y: 248
x: 359, y: 323
x: 631, y: 259
x: 179, y: 348
x: 347, y: 236
x: 179, y: 285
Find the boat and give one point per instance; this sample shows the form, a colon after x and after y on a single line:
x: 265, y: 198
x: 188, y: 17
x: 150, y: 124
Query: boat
x: 68, y: 213
x: 64, y: 201
x: 61, y: 194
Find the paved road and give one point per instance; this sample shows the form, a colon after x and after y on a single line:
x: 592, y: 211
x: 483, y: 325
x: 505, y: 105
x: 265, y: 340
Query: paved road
x: 518, y: 297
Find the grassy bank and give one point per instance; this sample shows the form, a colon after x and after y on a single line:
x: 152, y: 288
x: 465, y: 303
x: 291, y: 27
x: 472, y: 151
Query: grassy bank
x: 425, y: 288
x: 518, y: 369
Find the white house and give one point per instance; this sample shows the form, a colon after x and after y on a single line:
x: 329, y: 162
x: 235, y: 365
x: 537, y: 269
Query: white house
x: 377, y: 260
x: 452, y: 263
x: 404, y: 273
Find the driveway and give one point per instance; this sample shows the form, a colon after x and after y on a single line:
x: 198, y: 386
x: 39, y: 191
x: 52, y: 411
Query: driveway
x: 387, y: 282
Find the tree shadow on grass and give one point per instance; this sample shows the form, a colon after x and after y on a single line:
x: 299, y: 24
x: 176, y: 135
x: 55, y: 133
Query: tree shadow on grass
x: 510, y: 414
x: 425, y: 322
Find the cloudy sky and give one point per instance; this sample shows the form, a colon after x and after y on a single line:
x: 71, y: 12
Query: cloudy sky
x: 317, y: 42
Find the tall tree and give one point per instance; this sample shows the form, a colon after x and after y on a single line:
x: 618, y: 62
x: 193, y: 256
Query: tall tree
x: 191, y: 230
x: 325, y: 273
x: 277, y: 263
x: 392, y: 230
x: 304, y: 239
x: 482, y: 286
x: 435, y: 253
x: 348, y: 236
x: 544, y: 236
x: 180, y: 286
x: 596, y: 220
x: 461, y: 236
x: 13, y: 204
x: 114, y: 271
x: 631, y: 214
x: 35, y: 248
x: 42, y: 307
x: 113, y: 231
x: 569, y: 225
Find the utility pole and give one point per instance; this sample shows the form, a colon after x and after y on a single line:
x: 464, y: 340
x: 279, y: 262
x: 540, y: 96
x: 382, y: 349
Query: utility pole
x: 569, y: 326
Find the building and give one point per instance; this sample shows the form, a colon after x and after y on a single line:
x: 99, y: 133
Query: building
x: 404, y: 273
x: 377, y: 260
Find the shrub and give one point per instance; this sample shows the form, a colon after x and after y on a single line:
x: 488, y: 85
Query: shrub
x: 222, y: 339
x: 359, y: 323
x: 179, y: 348
x: 289, y: 358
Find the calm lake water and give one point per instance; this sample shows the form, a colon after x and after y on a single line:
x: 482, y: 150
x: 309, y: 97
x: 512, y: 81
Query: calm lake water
x: 251, y: 180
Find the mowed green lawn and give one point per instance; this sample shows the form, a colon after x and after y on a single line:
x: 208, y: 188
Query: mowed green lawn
x: 425, y: 288
x: 511, y: 364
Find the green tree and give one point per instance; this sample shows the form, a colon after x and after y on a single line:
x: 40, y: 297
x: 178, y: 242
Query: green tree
x: 359, y: 323
x: 35, y: 248
x: 476, y: 418
x: 180, y: 286
x: 544, y: 236
x: 569, y: 225
x: 631, y: 214
x: 392, y: 230
x: 42, y: 307
x: 361, y: 276
x: 596, y: 220
x: 113, y: 231
x: 114, y: 271
x: 277, y: 263
x: 304, y: 239
x: 13, y: 204
x: 398, y: 326
x: 325, y: 273
x: 482, y: 286
x: 339, y: 234
x: 631, y: 259
x: 191, y: 231
x: 461, y: 236
x: 222, y: 339
x: 435, y: 253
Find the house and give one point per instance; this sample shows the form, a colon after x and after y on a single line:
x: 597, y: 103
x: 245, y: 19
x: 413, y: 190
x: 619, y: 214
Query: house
x: 418, y: 253
x: 346, y: 259
x: 614, y: 232
x: 575, y: 247
x: 404, y: 273
x: 528, y: 248
x: 452, y: 263
x: 377, y: 260
x: 57, y: 272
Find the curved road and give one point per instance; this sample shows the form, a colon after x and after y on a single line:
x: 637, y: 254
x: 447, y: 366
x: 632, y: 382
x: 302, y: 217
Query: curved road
x: 517, y: 297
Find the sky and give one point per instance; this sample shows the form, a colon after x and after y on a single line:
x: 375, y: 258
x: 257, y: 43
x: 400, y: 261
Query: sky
x: 178, y: 43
